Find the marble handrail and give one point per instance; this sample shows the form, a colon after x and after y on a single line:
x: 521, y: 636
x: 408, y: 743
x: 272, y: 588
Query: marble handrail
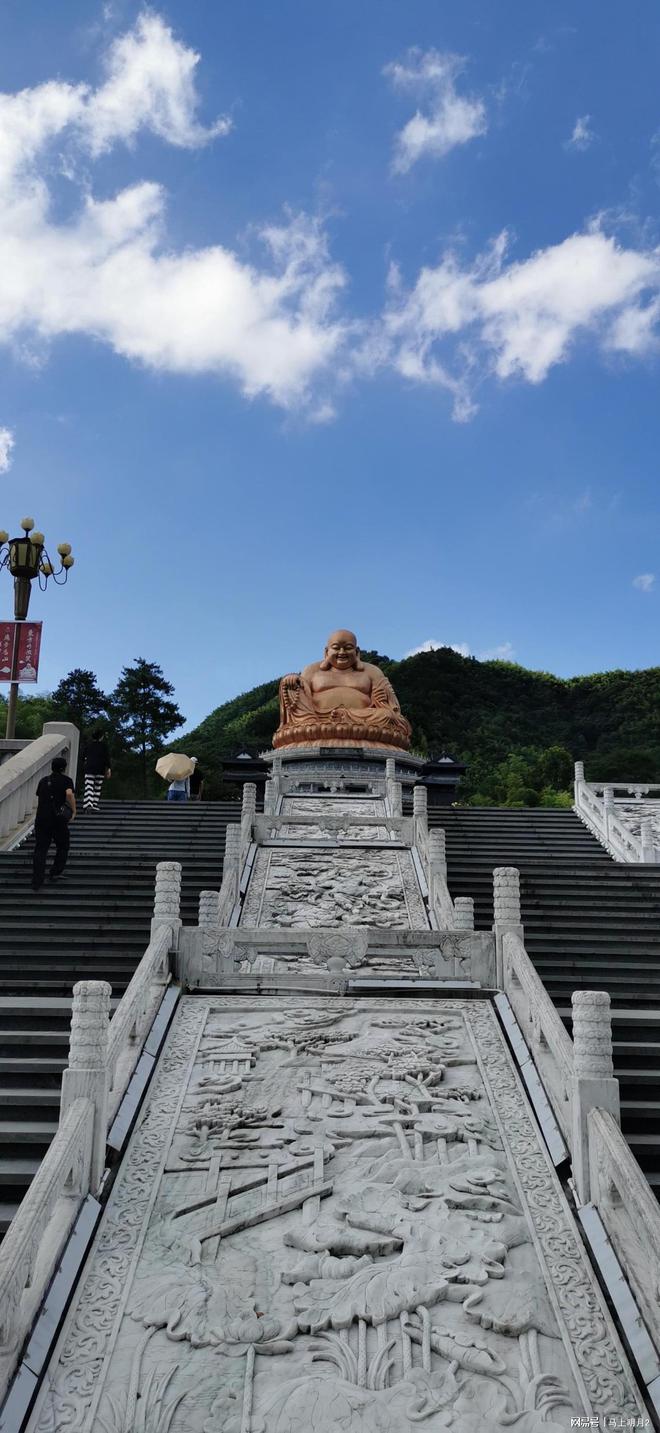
x: 135, y: 1013
x: 629, y: 1211
x: 550, y: 1044
x: 609, y: 819
x: 21, y: 773
x: 102, y: 1057
x: 35, y: 1238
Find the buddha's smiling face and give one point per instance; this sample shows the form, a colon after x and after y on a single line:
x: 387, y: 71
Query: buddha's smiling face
x: 342, y: 651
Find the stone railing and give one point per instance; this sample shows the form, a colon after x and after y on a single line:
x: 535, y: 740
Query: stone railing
x: 629, y: 1211
x: 625, y: 817
x: 135, y: 1014
x: 400, y: 827
x: 578, y: 1076
x: 430, y: 847
x: 34, y: 1241
x: 21, y: 773
x: 549, y: 1043
x: 102, y: 1056
x: 292, y: 783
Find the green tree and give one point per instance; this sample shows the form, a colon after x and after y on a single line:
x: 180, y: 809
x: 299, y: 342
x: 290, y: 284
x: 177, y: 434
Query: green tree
x: 142, y: 711
x: 78, y: 698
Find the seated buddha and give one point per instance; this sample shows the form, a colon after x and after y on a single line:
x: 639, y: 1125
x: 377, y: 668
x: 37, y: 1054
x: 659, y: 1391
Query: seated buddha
x: 340, y: 701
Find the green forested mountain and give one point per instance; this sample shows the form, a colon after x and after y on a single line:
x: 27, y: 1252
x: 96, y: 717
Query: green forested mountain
x: 518, y: 731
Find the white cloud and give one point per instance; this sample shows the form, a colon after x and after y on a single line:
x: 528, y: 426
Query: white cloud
x: 7, y: 442
x: 450, y: 119
x: 108, y: 271
x: 504, y: 652
x: 645, y: 582
x: 583, y: 135
x: 518, y: 319
x: 432, y: 645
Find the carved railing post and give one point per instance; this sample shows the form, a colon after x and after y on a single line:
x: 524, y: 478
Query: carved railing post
x: 440, y: 901
x: 230, y: 873
x: 463, y: 913
x: 420, y: 817
x: 248, y: 811
x: 167, y: 899
x: 273, y: 786
x: 506, y: 911
x: 393, y: 787
x: 608, y: 808
x: 578, y: 783
x: 87, y: 1073
x: 208, y: 908
x: 594, y: 1085
x: 648, y: 840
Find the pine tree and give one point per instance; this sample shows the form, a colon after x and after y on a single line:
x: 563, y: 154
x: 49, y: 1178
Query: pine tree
x: 142, y: 712
x: 79, y: 699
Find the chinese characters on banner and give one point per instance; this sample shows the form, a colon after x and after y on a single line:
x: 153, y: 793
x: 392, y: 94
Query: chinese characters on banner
x: 29, y: 644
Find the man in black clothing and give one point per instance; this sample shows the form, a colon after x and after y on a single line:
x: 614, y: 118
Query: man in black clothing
x: 56, y: 807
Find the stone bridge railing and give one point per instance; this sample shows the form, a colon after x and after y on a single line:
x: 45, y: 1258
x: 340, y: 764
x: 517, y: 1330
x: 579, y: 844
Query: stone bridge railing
x: 624, y: 816
x: 103, y: 1054
x: 21, y: 773
x: 583, y: 1094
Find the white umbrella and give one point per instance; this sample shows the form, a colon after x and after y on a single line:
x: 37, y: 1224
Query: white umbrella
x: 175, y: 766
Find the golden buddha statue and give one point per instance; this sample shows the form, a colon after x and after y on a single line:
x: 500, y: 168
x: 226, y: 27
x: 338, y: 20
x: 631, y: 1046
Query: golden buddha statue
x: 340, y: 701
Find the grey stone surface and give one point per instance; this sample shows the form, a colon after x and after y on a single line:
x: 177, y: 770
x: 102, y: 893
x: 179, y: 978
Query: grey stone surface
x: 335, y: 1215
x: 301, y: 889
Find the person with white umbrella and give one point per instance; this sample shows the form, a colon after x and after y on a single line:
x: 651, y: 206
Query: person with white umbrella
x: 176, y: 769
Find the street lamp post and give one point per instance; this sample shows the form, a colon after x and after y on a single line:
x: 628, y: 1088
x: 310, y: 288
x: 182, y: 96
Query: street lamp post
x: 26, y: 559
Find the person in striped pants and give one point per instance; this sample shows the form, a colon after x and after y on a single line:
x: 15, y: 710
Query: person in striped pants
x: 97, y: 767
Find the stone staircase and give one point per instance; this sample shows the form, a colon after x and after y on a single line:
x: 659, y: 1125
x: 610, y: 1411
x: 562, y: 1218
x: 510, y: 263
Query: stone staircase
x: 94, y: 924
x: 589, y: 924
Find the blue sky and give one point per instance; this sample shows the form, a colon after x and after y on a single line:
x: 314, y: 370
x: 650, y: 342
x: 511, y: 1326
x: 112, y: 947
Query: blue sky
x: 317, y: 315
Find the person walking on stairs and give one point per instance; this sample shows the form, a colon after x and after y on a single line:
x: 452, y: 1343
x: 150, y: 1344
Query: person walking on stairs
x: 56, y: 808
x: 196, y: 781
x: 97, y: 767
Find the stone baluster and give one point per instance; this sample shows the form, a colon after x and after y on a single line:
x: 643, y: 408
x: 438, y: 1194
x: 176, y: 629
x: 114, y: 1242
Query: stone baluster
x: 578, y: 783
x: 608, y: 807
x: 87, y: 1075
x: 393, y: 787
x: 248, y: 812
x: 420, y: 817
x: 436, y: 874
x: 208, y: 908
x: 648, y: 840
x: 506, y: 911
x: 231, y: 871
x: 463, y: 913
x: 273, y: 786
x: 593, y: 1084
x: 167, y: 899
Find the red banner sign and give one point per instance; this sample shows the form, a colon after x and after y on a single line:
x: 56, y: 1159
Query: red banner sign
x: 29, y: 645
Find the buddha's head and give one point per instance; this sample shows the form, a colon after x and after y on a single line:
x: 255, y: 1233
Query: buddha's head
x: 341, y: 652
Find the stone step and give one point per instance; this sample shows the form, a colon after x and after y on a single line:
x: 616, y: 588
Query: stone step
x: 32, y: 1064
x: 25, y: 1098
x: 19, y: 1172
x: 27, y: 1132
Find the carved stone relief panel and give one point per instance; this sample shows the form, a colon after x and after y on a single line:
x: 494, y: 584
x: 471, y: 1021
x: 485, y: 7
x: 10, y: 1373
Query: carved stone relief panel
x: 335, y: 1216
x: 343, y: 819
x: 300, y: 889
